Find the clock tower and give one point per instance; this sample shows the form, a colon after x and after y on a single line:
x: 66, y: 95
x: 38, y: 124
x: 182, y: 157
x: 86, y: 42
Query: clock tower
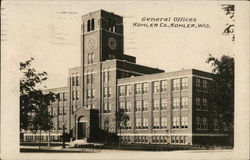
x: 102, y: 37
x: 101, y: 40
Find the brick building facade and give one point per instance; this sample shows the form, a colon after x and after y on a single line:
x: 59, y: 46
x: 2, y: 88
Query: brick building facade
x: 164, y: 107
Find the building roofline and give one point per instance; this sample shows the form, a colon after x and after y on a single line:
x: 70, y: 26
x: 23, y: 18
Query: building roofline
x: 189, y: 71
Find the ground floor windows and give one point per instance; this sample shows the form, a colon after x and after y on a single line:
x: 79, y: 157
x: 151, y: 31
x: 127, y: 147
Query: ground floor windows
x: 43, y: 138
x: 157, y: 139
x: 179, y: 139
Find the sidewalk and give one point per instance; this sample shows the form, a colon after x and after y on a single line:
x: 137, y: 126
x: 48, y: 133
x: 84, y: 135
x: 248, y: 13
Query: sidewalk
x: 57, y: 149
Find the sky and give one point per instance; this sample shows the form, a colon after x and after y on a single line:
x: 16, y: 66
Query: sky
x: 49, y: 31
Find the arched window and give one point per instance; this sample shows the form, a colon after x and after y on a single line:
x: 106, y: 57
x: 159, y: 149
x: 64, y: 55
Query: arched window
x: 88, y: 26
x: 92, y: 24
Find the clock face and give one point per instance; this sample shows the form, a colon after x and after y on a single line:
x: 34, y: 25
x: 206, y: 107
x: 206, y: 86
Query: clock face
x: 91, y: 43
x: 112, y: 43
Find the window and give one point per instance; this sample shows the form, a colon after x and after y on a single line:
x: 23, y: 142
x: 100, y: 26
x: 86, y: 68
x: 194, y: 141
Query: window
x: 128, y: 106
x: 77, y: 79
x: 109, y: 93
x: 122, y: 105
x: 91, y: 58
x: 145, y: 88
x: 156, y: 87
x: 73, y: 80
x: 164, y: 104
x: 205, y: 85
x: 65, y: 96
x: 77, y: 95
x: 89, y: 77
x: 128, y: 90
x: 198, y: 84
x: 138, y: 123
x: 93, y: 93
x: 198, y: 122
x: 88, y: 93
x: 198, y: 103
x: 145, y: 123
x: 204, y: 123
x: 105, y: 76
x: 74, y: 95
x: 215, y: 124
x: 92, y: 24
x: 105, y: 91
x: 176, y: 122
x: 88, y: 26
x: 121, y: 90
x: 138, y: 105
x: 137, y: 89
x: 164, y: 86
x: 92, y: 77
x: 184, y: 102
x: 163, y: 122
x: 156, y: 104
x: 60, y: 96
x: 184, y: 83
x: 176, y: 84
x: 205, y: 103
x: 144, y: 105
x: 184, y: 122
x: 156, y: 123
x: 176, y: 103
x: 107, y: 107
x: 128, y: 124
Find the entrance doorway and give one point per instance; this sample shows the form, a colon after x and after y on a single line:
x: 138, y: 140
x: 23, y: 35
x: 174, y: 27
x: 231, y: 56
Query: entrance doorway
x: 82, y: 129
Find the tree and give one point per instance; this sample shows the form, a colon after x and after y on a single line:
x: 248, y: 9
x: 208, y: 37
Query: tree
x: 229, y: 30
x: 33, y: 102
x: 121, y: 118
x: 222, y: 89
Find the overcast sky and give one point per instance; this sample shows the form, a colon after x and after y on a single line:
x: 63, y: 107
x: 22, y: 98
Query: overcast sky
x: 50, y: 33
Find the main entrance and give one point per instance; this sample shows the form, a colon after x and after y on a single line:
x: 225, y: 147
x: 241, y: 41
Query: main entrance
x: 82, y: 129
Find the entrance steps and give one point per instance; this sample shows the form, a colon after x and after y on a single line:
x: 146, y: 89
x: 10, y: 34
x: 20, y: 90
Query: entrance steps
x: 78, y: 142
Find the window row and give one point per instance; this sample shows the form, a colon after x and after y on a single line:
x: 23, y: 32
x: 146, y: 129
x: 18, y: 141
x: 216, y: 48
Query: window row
x: 106, y: 107
x: 90, y: 25
x: 107, y: 92
x: 201, y: 103
x: 180, y: 122
x: 106, y: 75
x: 90, y: 59
x: 179, y: 83
x: 90, y: 105
x: 180, y: 102
x: 201, y: 84
x: 62, y: 96
x: 75, y: 95
x: 201, y: 123
x: 90, y: 77
x: 57, y: 111
x: 158, y: 86
x: 155, y: 139
x: 158, y: 123
x: 90, y: 93
x: 75, y: 79
x: 158, y: 104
